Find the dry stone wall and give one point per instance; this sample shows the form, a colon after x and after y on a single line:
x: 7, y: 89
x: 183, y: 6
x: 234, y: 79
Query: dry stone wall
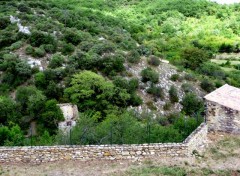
x: 223, y: 119
x: 42, y: 154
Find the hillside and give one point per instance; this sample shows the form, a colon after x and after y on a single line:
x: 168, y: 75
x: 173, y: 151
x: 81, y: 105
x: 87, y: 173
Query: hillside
x: 131, y: 67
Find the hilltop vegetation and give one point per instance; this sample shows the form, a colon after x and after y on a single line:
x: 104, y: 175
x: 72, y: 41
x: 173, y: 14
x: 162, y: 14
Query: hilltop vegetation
x: 106, y: 57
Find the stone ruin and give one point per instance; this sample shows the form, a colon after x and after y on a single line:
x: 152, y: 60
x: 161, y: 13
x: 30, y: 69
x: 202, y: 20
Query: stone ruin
x: 223, y: 110
x: 70, y: 113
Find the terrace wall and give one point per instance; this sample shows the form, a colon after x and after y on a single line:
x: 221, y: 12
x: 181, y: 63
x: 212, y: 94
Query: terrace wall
x: 40, y: 154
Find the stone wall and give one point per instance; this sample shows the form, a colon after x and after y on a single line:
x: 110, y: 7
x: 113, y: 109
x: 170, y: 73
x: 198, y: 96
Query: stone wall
x: 42, y: 154
x: 223, y: 119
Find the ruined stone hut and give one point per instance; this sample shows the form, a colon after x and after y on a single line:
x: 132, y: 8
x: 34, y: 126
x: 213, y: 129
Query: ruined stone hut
x: 70, y: 113
x: 223, y: 109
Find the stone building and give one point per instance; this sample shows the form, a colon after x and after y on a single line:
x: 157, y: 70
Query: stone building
x: 223, y: 109
x: 70, y: 113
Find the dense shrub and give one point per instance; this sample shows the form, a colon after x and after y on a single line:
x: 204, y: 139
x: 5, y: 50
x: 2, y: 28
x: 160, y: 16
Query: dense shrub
x: 133, y: 56
x: 29, y: 50
x: 173, y: 94
x: 24, y: 8
x: 67, y: 48
x: 16, y: 71
x: 8, y: 111
x: 175, y: 77
x: 39, y: 38
x: 225, y: 47
x: 39, y: 52
x: 154, y: 61
x: 207, y: 85
x: 212, y: 70
x: 49, y: 48
x: 111, y: 64
x: 187, y: 88
x: 190, y: 77
x: 56, y: 61
x: 192, y: 104
x: 135, y: 100
x: 156, y: 91
x: 73, y: 37
x: 4, y: 22
x: 149, y: 74
x: 194, y: 57
x: 16, y: 45
x: 103, y: 48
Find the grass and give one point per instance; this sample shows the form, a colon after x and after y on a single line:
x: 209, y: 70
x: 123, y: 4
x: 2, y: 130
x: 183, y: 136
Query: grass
x: 177, y: 171
x: 155, y: 170
x: 228, y: 69
x: 223, y: 61
x: 228, y: 147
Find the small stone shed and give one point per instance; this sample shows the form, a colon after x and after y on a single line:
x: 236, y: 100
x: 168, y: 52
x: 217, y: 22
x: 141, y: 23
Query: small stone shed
x: 223, y: 109
x: 70, y: 113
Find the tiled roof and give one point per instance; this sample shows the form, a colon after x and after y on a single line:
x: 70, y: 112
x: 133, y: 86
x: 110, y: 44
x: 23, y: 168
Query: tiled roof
x: 226, y: 95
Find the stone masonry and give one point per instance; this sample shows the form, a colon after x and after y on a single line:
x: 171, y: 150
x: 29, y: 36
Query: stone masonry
x: 223, y: 110
x: 42, y: 154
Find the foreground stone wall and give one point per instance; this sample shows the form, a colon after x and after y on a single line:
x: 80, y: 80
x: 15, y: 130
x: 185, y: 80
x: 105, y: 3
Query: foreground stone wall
x: 104, y: 152
x: 223, y: 119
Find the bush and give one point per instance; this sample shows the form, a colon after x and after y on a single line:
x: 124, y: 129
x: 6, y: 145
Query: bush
x: 133, y: 56
x: 67, y: 48
x: 211, y: 69
x: 149, y: 74
x: 175, y: 77
x: 4, y: 22
x: 192, y: 104
x: 56, y: 61
x: 49, y: 48
x: 167, y: 106
x: 219, y: 83
x: 110, y: 65
x: 190, y: 77
x: 157, y: 92
x: 187, y: 88
x: 135, y: 100
x: 24, y: 8
x: 72, y: 37
x: 173, y: 94
x: 29, y: 50
x: 39, y: 52
x: 38, y: 38
x: 207, y: 85
x: 16, y: 45
x: 194, y: 57
x: 154, y: 61
x: 225, y: 47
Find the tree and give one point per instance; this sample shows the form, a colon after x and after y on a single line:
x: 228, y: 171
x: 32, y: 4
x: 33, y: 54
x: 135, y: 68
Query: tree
x: 91, y: 91
x: 8, y: 111
x: 51, y: 116
x: 16, y: 71
x: 31, y: 100
x: 15, y: 137
x: 194, y: 57
x: 192, y: 104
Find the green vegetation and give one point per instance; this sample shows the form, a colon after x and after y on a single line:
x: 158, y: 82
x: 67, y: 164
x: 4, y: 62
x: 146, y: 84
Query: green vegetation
x: 86, y: 49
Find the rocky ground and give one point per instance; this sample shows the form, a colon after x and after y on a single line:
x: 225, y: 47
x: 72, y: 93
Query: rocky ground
x: 165, y: 71
x: 222, y: 157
